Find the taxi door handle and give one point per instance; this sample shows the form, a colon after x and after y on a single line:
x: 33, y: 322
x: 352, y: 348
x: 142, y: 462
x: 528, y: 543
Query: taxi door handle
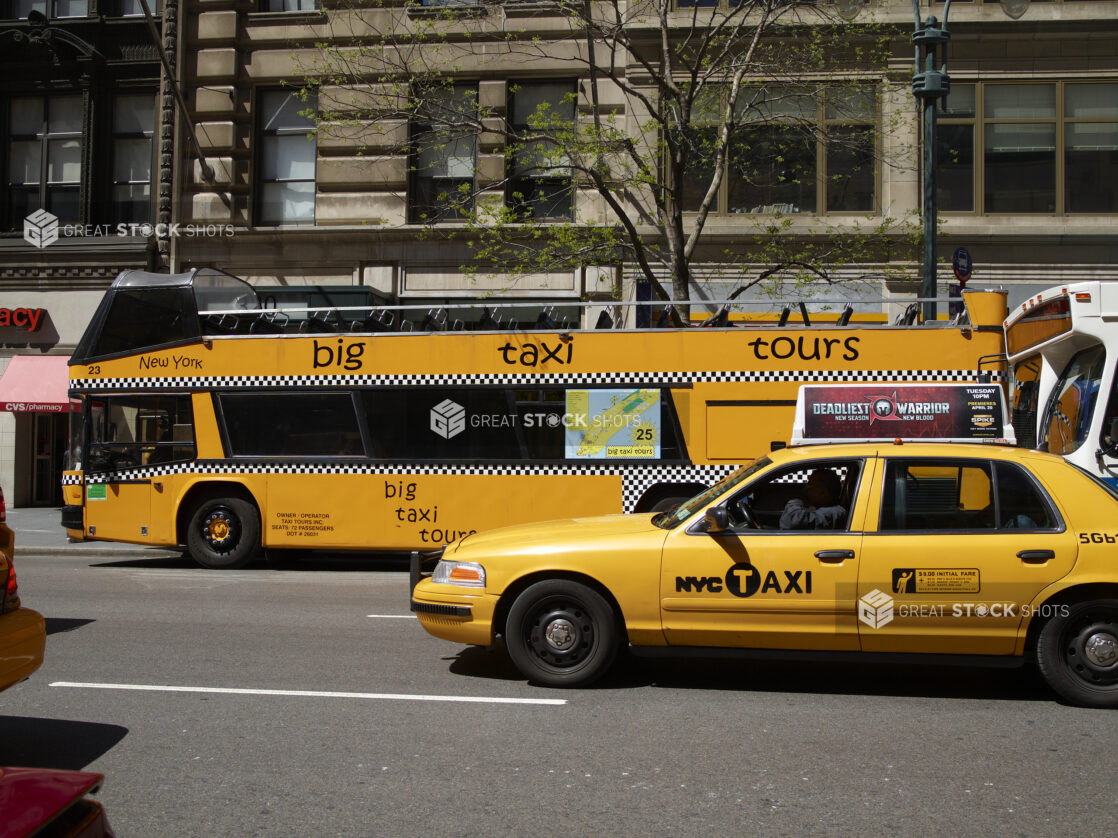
x: 1036, y: 556
x: 832, y: 556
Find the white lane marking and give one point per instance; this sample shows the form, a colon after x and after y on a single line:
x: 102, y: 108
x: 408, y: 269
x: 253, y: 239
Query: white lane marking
x: 548, y: 702
x: 392, y: 616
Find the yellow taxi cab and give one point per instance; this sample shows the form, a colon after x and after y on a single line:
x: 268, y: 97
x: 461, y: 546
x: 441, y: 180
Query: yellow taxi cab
x: 876, y: 548
x: 23, y: 633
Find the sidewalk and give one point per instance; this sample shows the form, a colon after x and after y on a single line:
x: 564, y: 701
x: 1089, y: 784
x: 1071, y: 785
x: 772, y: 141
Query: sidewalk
x: 39, y: 531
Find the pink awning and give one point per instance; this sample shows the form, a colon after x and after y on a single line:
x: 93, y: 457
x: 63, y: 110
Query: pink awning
x: 36, y: 384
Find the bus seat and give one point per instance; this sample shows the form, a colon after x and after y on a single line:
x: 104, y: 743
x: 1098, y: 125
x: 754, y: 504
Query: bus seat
x: 912, y: 310
x: 544, y: 320
x: 433, y: 321
x: 269, y: 322
x: 488, y: 321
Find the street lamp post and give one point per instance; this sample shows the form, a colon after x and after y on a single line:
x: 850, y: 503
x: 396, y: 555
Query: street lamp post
x: 930, y: 83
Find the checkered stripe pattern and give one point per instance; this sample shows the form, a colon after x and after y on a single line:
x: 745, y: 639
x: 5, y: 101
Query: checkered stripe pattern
x: 635, y: 479
x: 71, y: 480
x: 802, y: 475
x: 595, y: 379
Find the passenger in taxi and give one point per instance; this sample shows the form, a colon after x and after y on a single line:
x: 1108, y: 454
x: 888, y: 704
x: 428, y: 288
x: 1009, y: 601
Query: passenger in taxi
x: 1015, y: 503
x: 819, y: 509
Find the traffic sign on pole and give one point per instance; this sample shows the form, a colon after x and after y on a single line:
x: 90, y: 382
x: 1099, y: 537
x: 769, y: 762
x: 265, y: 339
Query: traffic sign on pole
x: 961, y: 264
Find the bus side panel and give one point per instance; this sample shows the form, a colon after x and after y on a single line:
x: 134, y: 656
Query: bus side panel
x: 119, y: 511
x: 206, y: 434
x: 738, y: 433
x: 421, y: 511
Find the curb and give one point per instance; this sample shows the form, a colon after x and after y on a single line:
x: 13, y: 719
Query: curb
x: 105, y: 551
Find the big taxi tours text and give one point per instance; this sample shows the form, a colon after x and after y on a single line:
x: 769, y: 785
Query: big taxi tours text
x: 349, y: 355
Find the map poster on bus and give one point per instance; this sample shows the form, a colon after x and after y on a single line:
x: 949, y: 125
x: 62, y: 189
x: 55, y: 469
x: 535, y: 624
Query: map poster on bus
x: 943, y: 412
x: 613, y: 424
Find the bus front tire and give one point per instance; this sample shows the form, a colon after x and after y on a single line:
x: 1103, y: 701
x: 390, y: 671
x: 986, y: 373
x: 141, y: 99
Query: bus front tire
x: 561, y: 633
x: 1077, y: 653
x: 224, y: 533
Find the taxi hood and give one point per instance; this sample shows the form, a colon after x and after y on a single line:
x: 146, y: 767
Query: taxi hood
x: 550, y: 536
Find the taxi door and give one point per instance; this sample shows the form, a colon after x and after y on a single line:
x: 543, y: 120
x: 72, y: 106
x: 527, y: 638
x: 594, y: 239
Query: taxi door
x: 955, y: 549
x: 765, y: 587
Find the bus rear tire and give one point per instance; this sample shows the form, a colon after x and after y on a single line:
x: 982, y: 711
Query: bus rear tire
x: 224, y: 533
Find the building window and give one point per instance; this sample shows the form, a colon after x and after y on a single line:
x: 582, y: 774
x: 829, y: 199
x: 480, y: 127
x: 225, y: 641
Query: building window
x: 1046, y: 148
x: 20, y: 9
x: 540, y: 183
x: 44, y: 157
x: 289, y: 6
x: 793, y: 151
x: 287, y: 158
x: 131, y: 8
x: 444, y: 153
x: 133, y: 129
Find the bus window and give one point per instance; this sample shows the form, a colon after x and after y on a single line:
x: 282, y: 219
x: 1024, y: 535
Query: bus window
x: 1025, y: 395
x: 521, y: 424
x: 144, y: 318
x: 290, y: 424
x: 134, y: 431
x: 1067, y: 416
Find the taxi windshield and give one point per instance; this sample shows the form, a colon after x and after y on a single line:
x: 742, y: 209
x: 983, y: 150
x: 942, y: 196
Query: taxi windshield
x: 668, y: 520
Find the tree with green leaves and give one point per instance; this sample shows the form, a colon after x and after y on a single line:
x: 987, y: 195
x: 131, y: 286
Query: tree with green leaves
x: 692, y: 139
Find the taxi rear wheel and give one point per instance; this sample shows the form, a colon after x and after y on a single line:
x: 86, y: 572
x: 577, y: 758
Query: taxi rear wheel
x: 561, y: 633
x: 1077, y: 653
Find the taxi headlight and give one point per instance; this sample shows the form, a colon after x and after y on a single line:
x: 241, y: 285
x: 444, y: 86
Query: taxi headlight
x: 466, y: 574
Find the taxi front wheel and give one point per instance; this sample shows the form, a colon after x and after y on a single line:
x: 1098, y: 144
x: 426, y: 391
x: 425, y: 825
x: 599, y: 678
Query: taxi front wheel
x: 561, y: 633
x: 1077, y: 653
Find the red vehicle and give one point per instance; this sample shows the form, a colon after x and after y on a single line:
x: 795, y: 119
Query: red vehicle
x: 23, y: 634
x: 48, y: 803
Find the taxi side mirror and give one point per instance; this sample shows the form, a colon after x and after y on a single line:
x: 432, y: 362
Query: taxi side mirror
x: 717, y: 519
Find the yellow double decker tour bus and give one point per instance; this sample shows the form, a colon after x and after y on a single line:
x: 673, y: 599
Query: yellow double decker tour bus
x: 214, y: 419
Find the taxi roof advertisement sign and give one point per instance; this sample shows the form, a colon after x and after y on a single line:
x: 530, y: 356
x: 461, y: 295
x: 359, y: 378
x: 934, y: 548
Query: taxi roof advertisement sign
x: 940, y: 412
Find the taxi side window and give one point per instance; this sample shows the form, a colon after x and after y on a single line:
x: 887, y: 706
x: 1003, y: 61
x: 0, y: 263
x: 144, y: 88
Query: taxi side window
x: 821, y: 492
x: 929, y: 494
x: 1021, y: 505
